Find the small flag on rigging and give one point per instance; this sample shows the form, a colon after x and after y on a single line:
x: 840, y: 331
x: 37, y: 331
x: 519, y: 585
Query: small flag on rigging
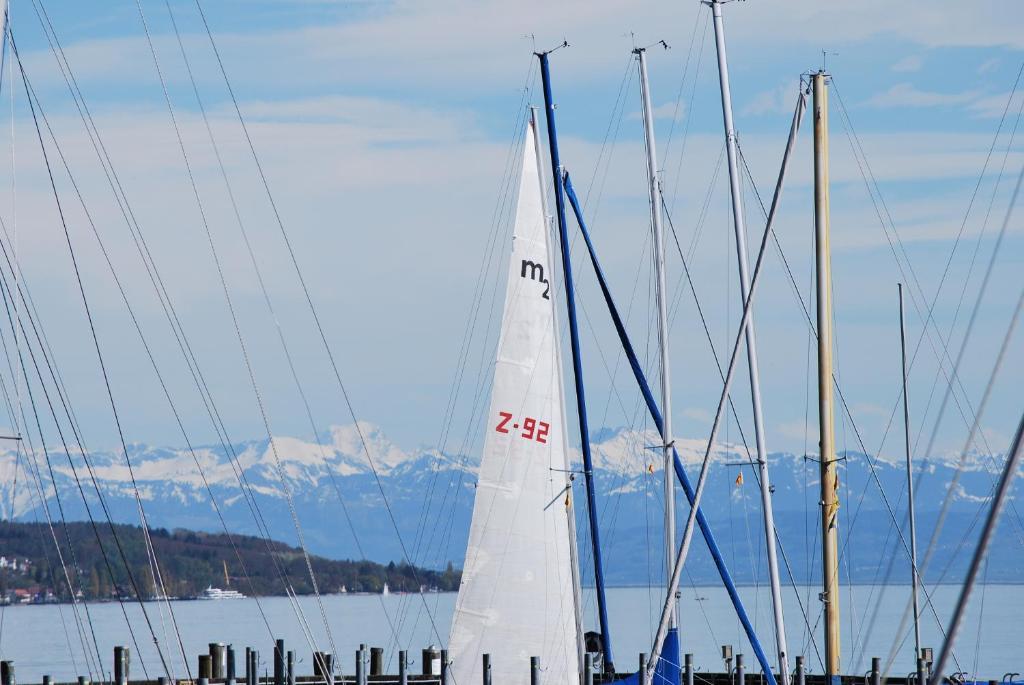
x: 739, y: 479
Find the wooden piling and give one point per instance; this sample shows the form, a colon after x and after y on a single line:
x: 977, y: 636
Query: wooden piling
x: 403, y: 664
x: 360, y: 666
x: 876, y: 671
x: 486, y: 671
x: 217, y: 658
x: 642, y: 671
x: 252, y: 668
x: 444, y: 667
x: 688, y: 669
x: 376, y: 661
x: 279, y: 662
x: 229, y: 664
x: 7, y: 673
x: 740, y: 670
x: 291, y: 667
x: 203, y: 681
x: 47, y: 680
x: 323, y: 666
x: 430, y: 655
x: 82, y: 680
x: 120, y: 665
x: 922, y: 676
x: 534, y: 670
x: 588, y: 668
x: 162, y: 680
x: 205, y: 666
x: 801, y: 673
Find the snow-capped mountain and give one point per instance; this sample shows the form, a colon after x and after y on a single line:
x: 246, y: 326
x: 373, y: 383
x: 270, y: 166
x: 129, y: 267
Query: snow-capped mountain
x: 337, y: 498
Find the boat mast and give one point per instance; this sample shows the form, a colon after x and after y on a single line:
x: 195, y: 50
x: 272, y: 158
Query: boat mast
x: 577, y: 363
x: 556, y: 336
x: 663, y: 331
x: 910, y: 483
x: 826, y: 421
x: 751, y: 345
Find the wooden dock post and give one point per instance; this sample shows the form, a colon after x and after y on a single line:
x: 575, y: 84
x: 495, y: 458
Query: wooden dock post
x: 534, y: 670
x: 323, y: 666
x: 643, y: 670
x: 486, y: 671
x: 279, y: 662
x: 360, y: 666
x: 876, y: 671
x: 688, y: 669
x: 47, y: 680
x: 203, y: 681
x: 7, y: 673
x: 120, y: 665
x: 403, y: 663
x: 205, y: 666
x: 444, y: 667
x: 217, y: 658
x: 229, y: 664
x: 922, y: 674
x: 162, y: 680
x: 430, y: 656
x: 252, y: 667
x: 376, y: 661
x: 740, y: 670
x: 801, y: 674
x: 588, y: 668
x: 291, y: 667
x: 82, y: 680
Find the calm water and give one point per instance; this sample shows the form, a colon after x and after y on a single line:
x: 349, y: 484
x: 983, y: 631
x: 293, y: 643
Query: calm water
x: 34, y: 637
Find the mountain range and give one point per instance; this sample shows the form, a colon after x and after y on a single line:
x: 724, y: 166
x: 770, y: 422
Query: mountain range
x: 415, y: 505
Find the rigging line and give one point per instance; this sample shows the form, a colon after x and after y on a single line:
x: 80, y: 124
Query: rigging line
x: 842, y: 398
x: 1003, y: 490
x: 498, y: 219
x: 32, y: 469
x: 31, y: 451
x: 943, y: 358
x: 313, y: 310
x: 92, y: 327
x: 4, y: 288
x: 234, y: 318
x: 162, y: 295
x: 689, y: 109
x: 270, y: 308
x: 682, y: 82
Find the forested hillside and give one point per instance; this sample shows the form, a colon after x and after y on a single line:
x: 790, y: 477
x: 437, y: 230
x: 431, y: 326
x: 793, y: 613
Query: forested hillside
x: 97, y: 564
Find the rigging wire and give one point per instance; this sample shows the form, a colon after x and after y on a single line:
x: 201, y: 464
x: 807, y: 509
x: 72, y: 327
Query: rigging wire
x: 286, y: 489
x: 314, y: 312
x: 164, y: 299
x: 92, y: 327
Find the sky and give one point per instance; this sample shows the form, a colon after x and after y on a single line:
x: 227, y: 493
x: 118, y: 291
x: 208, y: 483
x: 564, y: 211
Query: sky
x: 388, y: 133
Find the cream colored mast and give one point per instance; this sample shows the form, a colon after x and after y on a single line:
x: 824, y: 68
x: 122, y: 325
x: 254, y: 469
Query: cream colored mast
x: 826, y: 421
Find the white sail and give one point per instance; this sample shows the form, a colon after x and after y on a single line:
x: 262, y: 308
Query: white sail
x: 517, y: 598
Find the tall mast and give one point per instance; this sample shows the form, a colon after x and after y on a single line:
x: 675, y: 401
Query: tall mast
x: 826, y: 421
x: 663, y: 342
x: 751, y: 344
x: 910, y: 483
x: 577, y: 364
x: 570, y: 510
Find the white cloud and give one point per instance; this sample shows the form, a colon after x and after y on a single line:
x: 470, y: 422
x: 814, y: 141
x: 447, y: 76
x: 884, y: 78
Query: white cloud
x: 906, y: 95
x: 908, y: 64
x: 989, y: 65
x: 778, y: 100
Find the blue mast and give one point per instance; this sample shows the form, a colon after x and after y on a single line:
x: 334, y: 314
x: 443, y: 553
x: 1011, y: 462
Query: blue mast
x: 577, y: 364
x: 652, y: 407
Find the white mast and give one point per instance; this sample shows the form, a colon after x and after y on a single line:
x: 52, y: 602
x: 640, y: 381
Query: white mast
x: 570, y: 511
x: 663, y: 341
x: 755, y: 386
x: 910, y: 484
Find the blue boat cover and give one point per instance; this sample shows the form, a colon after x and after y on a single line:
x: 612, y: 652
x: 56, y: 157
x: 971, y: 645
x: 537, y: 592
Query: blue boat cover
x: 668, y: 670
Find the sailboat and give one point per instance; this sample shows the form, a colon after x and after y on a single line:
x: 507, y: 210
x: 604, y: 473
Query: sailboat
x: 519, y: 596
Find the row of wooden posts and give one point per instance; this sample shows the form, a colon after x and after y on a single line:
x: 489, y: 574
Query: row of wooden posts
x: 220, y: 664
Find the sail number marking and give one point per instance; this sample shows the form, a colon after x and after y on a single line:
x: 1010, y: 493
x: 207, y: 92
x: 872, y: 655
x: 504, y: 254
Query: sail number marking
x: 532, y: 428
x: 535, y: 272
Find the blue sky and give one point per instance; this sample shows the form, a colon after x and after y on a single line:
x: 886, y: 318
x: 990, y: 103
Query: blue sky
x: 385, y: 129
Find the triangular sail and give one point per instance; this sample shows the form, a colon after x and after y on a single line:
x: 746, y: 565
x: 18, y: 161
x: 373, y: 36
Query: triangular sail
x: 517, y: 598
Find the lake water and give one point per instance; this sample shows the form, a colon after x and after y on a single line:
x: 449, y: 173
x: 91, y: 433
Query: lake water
x: 34, y: 637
